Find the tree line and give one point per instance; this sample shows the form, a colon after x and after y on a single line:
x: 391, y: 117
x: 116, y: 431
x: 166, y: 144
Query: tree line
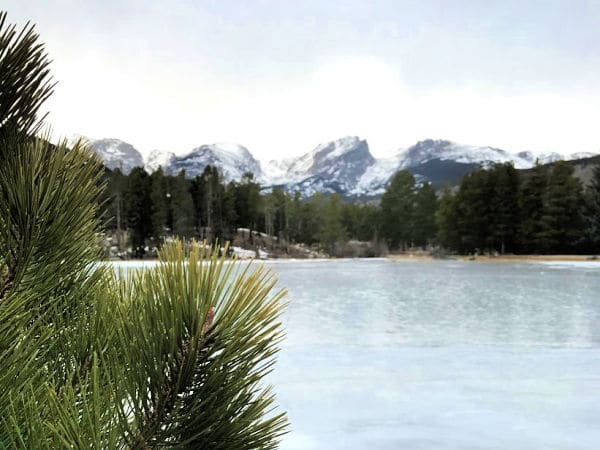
x: 544, y: 211
x: 499, y: 209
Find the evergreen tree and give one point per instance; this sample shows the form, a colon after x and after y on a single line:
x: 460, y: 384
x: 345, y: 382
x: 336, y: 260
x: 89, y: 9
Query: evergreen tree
x: 504, y: 214
x: 160, y: 199
x: 397, y: 210
x: 423, y: 220
x: 531, y: 209
x: 279, y: 204
x: 368, y: 220
x: 447, y: 221
x: 309, y: 219
x: 331, y: 230
x: 474, y: 211
x: 229, y: 212
x: 182, y: 206
x: 197, y: 191
x: 170, y: 357
x: 297, y: 219
x: 138, y: 209
x: 592, y: 211
x: 207, y: 196
x: 115, y: 205
x: 562, y: 221
x: 247, y: 201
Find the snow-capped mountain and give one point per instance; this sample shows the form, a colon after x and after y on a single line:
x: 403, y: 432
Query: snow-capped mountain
x: 335, y: 166
x: 233, y: 160
x: 430, y: 149
x: 345, y: 166
x: 275, y: 171
x: 375, y: 178
x: 116, y: 154
x: 159, y: 158
x: 581, y: 155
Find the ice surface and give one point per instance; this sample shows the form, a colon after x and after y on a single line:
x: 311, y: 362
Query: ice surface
x: 439, y: 355
x: 570, y: 264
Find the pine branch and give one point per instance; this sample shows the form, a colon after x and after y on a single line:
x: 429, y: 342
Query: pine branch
x: 164, y: 402
x: 7, y: 279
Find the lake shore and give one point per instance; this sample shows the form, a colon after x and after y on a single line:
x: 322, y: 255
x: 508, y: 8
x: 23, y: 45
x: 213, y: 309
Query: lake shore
x: 492, y: 258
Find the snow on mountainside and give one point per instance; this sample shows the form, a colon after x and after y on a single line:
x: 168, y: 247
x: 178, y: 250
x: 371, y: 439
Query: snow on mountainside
x: 158, y: 158
x: 430, y: 149
x: 345, y: 166
x: 343, y: 157
x: 233, y: 160
x: 335, y: 166
x: 117, y: 154
x: 374, y: 179
x: 581, y: 155
x: 275, y: 171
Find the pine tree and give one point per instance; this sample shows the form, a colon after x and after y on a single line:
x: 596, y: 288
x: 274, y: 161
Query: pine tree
x: 247, y: 202
x: 160, y: 199
x: 169, y: 357
x: 397, y: 209
x: 138, y: 207
x: 562, y: 221
x: 531, y: 210
x: 181, y: 205
x: 331, y: 231
x: 592, y: 211
x: 447, y: 221
x: 424, y: 226
x: 504, y: 214
x: 474, y: 211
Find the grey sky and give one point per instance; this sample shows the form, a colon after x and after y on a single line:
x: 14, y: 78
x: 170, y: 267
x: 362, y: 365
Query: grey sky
x: 283, y: 76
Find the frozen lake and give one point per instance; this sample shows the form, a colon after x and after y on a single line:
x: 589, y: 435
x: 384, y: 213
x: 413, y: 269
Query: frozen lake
x: 440, y: 355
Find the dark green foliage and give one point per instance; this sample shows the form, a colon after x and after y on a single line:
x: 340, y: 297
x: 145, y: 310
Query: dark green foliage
x: 181, y: 206
x: 138, y: 208
x: 447, y: 221
x: 397, y: 210
x: 424, y: 226
x: 493, y: 210
x: 504, y: 214
x: 277, y: 214
x: 361, y: 221
x: 304, y: 220
x: 219, y: 332
x: 173, y: 357
x: 531, y: 209
x: 207, y: 196
x: 116, y: 190
x: 25, y: 81
x: 331, y: 231
x: 562, y: 221
x: 48, y: 239
x: 248, y: 202
x: 474, y: 211
x: 592, y: 211
x: 160, y: 198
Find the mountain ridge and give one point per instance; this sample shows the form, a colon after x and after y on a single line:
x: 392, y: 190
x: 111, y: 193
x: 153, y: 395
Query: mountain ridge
x: 344, y: 166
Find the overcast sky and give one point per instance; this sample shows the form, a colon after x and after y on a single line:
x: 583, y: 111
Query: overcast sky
x: 280, y: 77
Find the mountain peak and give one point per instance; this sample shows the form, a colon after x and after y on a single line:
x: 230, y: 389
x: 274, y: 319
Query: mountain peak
x: 117, y: 154
x: 232, y: 159
x: 343, y: 166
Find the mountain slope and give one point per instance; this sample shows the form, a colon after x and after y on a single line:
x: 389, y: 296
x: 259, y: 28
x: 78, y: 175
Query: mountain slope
x: 233, y: 160
x: 333, y: 167
x: 344, y: 166
x: 117, y: 154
